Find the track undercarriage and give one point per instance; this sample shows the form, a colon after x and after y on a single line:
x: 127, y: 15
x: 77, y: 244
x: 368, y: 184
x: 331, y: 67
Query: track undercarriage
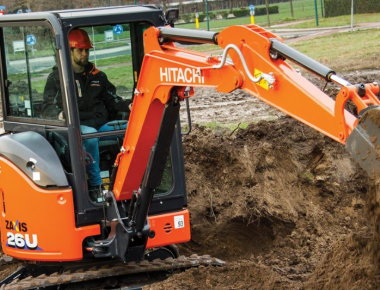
x: 52, y: 275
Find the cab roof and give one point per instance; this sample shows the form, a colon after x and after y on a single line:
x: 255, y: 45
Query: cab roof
x: 102, y: 11
x: 95, y: 16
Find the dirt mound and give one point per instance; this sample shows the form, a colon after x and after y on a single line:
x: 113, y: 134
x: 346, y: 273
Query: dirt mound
x: 242, y: 275
x: 281, y: 203
x: 349, y: 265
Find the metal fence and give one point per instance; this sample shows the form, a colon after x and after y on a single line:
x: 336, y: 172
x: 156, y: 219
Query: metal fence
x: 199, y: 5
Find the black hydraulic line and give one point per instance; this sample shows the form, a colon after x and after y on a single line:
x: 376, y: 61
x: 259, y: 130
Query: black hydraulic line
x: 188, y: 35
x: 281, y: 49
x: 188, y: 118
x: 132, y: 204
x: 113, y: 176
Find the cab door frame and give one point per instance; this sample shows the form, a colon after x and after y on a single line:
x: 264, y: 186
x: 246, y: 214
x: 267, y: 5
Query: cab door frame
x: 86, y: 212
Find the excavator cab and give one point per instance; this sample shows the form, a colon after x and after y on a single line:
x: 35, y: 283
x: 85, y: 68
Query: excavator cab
x: 42, y: 157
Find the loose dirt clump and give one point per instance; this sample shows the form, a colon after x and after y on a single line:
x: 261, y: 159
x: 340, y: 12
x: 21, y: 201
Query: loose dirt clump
x: 349, y: 265
x: 242, y: 275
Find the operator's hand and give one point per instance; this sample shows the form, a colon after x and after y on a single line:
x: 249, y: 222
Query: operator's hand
x: 125, y: 105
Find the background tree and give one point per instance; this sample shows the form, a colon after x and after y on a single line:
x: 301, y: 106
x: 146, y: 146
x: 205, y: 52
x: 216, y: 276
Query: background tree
x: 165, y: 4
x: 267, y: 6
x: 291, y: 8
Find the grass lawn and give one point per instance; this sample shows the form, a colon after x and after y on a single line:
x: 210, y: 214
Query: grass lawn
x: 113, y: 60
x: 120, y: 76
x: 338, y: 21
x: 344, y: 51
x: 215, y: 126
x: 303, y: 9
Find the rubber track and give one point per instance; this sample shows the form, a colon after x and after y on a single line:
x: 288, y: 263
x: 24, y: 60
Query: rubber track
x: 80, y: 275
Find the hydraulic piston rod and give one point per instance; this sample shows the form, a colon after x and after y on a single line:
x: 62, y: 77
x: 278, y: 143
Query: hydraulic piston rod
x: 188, y: 35
x: 280, y: 49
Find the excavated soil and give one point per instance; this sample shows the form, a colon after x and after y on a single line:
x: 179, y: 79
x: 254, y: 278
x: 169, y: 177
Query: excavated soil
x: 285, y: 206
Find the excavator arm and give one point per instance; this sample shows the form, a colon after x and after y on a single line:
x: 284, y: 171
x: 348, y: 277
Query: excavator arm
x: 257, y: 64
x: 258, y: 67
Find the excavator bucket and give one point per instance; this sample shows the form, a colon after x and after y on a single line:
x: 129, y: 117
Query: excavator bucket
x: 364, y: 142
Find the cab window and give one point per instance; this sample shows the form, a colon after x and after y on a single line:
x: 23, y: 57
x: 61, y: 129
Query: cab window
x: 112, y: 54
x: 114, y: 61
x: 30, y: 58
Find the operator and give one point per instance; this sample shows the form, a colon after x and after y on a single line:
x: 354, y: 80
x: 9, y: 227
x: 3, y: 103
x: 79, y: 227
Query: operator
x: 97, y: 102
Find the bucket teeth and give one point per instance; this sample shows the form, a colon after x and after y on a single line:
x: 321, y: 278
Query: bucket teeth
x: 364, y: 142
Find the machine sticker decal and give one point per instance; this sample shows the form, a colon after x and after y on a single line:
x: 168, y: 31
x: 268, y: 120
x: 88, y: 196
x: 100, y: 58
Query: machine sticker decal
x: 16, y: 226
x: 179, y: 222
x: 263, y: 83
x: 179, y: 75
x: 18, y: 237
x: 36, y: 176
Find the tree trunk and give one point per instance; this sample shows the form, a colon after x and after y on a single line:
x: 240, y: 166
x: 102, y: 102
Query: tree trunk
x: 267, y: 5
x: 291, y: 9
x: 164, y: 4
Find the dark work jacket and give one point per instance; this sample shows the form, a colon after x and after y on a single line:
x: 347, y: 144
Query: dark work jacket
x: 97, y: 99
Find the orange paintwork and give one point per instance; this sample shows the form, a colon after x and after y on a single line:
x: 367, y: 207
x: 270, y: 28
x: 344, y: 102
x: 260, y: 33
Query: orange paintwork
x: 43, y: 217
x: 166, y: 66
x: 164, y: 227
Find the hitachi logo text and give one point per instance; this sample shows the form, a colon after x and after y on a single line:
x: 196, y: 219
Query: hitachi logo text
x: 176, y: 75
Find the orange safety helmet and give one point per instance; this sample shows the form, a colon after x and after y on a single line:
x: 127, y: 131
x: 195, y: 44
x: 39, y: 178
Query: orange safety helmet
x: 78, y: 38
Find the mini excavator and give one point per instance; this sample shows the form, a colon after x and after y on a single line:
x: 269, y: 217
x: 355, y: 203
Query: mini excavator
x: 47, y: 215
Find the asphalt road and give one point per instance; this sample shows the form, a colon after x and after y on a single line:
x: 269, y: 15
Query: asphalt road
x: 42, y: 63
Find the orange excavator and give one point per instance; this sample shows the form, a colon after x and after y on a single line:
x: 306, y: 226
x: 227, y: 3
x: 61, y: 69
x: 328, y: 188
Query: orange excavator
x: 47, y: 214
